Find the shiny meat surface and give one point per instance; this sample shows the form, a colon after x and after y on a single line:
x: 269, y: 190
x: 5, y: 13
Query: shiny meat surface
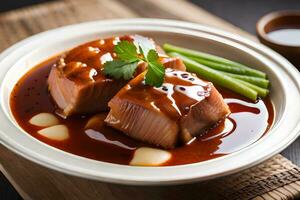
x: 77, y: 83
x: 182, y: 108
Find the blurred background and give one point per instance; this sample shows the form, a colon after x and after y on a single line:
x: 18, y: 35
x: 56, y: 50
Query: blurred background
x: 243, y: 14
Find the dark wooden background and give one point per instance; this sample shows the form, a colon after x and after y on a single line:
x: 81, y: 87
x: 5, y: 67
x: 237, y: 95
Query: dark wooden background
x: 243, y: 14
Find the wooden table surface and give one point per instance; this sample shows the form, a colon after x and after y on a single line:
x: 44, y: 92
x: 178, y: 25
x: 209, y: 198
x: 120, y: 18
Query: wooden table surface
x: 36, y: 19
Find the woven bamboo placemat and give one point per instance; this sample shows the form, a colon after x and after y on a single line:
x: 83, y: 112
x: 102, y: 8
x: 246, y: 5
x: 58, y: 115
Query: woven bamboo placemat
x: 276, y: 178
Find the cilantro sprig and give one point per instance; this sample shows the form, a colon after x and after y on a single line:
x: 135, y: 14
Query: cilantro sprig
x: 129, y: 55
x: 156, y: 71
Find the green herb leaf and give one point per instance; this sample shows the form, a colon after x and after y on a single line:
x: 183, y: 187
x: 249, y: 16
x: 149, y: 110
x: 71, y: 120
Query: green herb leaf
x: 156, y: 71
x: 126, y: 51
x: 120, y: 69
x: 152, y: 56
x: 129, y: 54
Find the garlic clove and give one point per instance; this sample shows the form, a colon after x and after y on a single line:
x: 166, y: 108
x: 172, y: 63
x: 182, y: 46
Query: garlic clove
x: 145, y: 156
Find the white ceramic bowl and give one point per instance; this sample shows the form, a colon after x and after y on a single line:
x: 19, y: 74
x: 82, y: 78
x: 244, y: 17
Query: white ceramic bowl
x: 285, y: 94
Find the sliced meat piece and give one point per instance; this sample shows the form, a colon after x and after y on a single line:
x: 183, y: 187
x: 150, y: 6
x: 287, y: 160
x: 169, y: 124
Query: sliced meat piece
x: 172, y: 62
x: 182, y: 108
x: 83, y: 95
x: 141, y: 123
x: 77, y: 83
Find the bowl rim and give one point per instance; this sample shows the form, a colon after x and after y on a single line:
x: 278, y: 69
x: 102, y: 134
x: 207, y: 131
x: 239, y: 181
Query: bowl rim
x: 156, y: 175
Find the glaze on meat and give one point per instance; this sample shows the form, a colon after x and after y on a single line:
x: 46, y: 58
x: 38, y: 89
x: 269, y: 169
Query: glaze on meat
x: 182, y: 108
x: 77, y: 83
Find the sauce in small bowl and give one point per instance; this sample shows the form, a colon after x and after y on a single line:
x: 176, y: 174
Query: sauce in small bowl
x: 286, y: 36
x: 281, y: 32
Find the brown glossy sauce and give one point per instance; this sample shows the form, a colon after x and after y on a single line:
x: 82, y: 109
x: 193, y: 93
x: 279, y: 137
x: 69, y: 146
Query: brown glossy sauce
x: 179, y: 92
x: 248, y: 122
x: 85, y: 62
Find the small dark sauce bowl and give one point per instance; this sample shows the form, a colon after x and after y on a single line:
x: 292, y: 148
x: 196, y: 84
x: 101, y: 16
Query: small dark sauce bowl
x: 280, y: 20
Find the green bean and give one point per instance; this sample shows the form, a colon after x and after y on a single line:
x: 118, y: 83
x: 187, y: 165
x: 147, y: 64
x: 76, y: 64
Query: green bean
x: 234, y: 72
x: 263, y: 83
x: 222, y: 67
x: 216, y: 59
x: 217, y: 77
x: 260, y: 91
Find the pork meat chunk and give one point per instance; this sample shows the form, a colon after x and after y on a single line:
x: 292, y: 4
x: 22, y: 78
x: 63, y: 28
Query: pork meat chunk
x: 77, y: 83
x: 182, y: 108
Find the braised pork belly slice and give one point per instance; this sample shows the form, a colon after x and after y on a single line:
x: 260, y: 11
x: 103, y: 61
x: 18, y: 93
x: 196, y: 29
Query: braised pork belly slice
x: 77, y: 82
x: 182, y: 108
